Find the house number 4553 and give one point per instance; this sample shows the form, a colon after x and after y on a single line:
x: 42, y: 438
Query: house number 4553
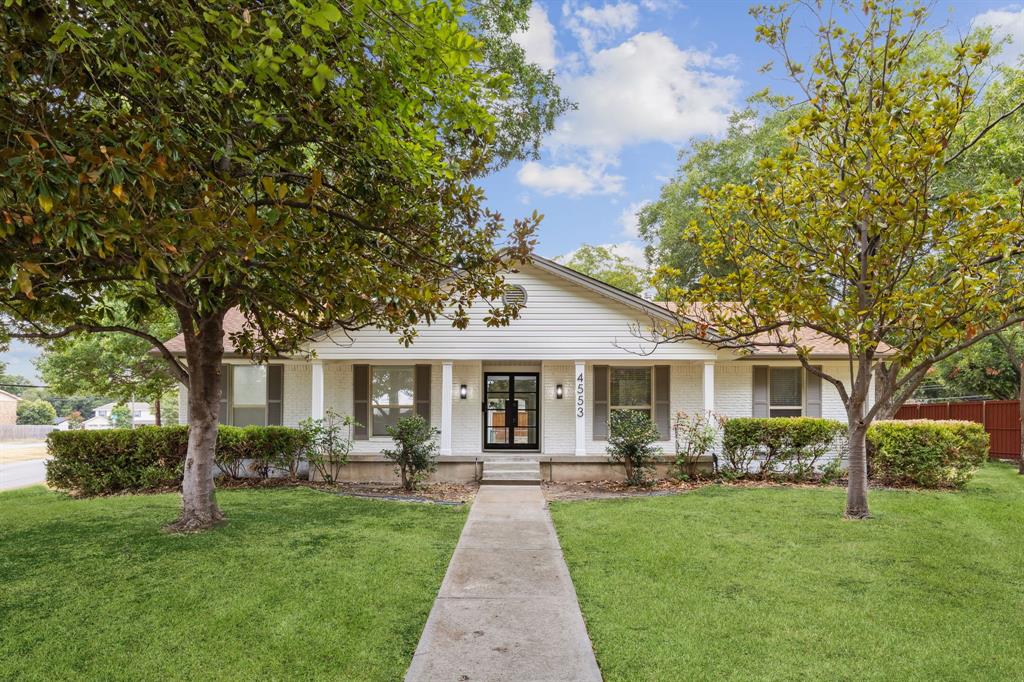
x: 579, y: 395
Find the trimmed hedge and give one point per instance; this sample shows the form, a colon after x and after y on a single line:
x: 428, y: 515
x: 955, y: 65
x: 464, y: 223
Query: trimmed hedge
x: 116, y: 460
x: 134, y: 460
x: 927, y: 453
x: 781, y: 446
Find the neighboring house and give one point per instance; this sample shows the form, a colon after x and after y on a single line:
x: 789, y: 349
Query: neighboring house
x: 8, y: 408
x: 542, y: 386
x: 62, y: 424
x: 102, y: 416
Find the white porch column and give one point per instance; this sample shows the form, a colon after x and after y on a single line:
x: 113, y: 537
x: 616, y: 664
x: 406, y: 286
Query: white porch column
x: 709, y: 386
x: 580, y: 407
x: 316, y: 410
x: 446, y: 407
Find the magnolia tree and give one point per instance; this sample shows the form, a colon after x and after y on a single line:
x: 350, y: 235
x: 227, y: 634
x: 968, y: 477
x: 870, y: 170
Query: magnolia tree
x: 309, y: 164
x: 844, y: 235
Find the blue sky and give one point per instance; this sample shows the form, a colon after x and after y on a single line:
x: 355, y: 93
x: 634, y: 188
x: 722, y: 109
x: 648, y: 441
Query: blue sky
x: 647, y: 75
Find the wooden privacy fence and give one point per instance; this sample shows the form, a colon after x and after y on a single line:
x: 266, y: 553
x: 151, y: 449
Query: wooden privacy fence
x: 1001, y: 419
x: 24, y: 431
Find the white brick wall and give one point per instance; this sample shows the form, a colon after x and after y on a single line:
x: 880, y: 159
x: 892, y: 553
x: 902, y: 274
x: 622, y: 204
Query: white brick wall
x: 558, y: 422
x: 467, y: 418
x: 298, y: 394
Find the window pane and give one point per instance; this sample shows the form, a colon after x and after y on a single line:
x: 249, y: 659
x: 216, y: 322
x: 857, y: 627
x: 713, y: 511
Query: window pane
x: 249, y: 416
x: 631, y: 386
x: 393, y: 385
x: 383, y: 417
x: 786, y: 386
x: 250, y: 385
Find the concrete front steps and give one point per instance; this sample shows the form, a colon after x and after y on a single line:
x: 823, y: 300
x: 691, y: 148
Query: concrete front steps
x: 511, y: 472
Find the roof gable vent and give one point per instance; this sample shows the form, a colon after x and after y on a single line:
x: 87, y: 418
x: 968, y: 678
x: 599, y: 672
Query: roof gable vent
x: 514, y: 295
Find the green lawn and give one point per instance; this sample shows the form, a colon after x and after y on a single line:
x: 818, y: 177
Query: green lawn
x: 299, y: 585
x: 772, y: 584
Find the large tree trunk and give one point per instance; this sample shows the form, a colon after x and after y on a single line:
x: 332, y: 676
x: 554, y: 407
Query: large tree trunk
x: 156, y: 412
x: 857, y: 488
x: 204, y: 351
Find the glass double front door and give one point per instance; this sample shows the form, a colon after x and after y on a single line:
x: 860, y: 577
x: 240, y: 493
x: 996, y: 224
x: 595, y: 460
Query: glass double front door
x: 511, y: 411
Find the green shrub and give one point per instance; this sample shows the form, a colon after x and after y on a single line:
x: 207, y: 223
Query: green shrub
x: 415, y: 452
x: 116, y: 460
x: 931, y: 454
x: 329, y: 443
x: 133, y: 460
x: 695, y: 438
x: 631, y: 440
x: 789, y: 447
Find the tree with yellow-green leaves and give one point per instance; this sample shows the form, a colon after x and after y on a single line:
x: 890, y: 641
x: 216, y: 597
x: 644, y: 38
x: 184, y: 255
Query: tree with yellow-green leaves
x: 852, y: 232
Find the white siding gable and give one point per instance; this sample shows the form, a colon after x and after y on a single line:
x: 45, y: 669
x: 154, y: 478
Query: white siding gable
x: 562, y: 320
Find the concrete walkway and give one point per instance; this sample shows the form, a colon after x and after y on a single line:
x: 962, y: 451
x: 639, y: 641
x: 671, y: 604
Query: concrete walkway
x: 507, y: 609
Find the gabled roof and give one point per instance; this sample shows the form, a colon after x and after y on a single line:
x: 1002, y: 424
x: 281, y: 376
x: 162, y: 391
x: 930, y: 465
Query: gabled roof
x: 8, y: 396
x: 821, y: 347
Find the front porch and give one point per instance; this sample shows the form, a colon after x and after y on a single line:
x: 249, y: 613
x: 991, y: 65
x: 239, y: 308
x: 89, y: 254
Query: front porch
x: 545, y: 410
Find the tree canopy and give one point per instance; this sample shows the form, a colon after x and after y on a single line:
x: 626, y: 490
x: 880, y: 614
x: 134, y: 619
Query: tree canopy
x: 312, y: 166
x: 117, y: 365
x: 707, y: 162
x: 603, y: 263
x: 850, y: 232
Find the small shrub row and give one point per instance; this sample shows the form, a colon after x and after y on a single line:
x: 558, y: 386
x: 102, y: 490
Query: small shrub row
x: 781, y: 447
x: 133, y: 460
x: 116, y: 460
x: 930, y: 454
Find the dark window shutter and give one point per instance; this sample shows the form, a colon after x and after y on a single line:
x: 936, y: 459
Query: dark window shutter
x: 224, y: 416
x: 662, y: 401
x: 760, y: 391
x: 361, y: 401
x: 275, y: 395
x: 600, y: 394
x: 813, y: 392
x: 421, y: 391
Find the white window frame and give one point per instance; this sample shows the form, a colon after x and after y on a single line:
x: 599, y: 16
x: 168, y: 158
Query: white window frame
x: 650, y: 396
x: 373, y: 406
x: 802, y: 407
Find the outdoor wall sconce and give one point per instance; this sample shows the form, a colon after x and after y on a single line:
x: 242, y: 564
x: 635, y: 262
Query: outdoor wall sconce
x: 558, y: 391
x: 463, y: 391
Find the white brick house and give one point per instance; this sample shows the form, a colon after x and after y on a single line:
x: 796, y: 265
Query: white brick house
x: 542, y: 386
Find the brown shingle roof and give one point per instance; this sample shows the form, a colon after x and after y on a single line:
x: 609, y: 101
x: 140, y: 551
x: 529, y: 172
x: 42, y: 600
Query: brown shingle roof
x: 819, y: 345
x: 234, y: 322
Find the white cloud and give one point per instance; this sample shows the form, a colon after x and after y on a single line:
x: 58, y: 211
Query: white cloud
x: 1005, y: 23
x: 629, y: 220
x: 572, y: 179
x: 647, y: 89
x: 595, y: 25
x: 538, y: 40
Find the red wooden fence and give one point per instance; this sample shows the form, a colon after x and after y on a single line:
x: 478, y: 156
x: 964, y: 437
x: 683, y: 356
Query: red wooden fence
x: 1000, y: 417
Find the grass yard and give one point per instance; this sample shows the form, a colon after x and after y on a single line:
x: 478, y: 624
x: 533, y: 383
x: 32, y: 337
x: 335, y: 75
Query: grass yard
x: 772, y: 584
x: 299, y: 585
